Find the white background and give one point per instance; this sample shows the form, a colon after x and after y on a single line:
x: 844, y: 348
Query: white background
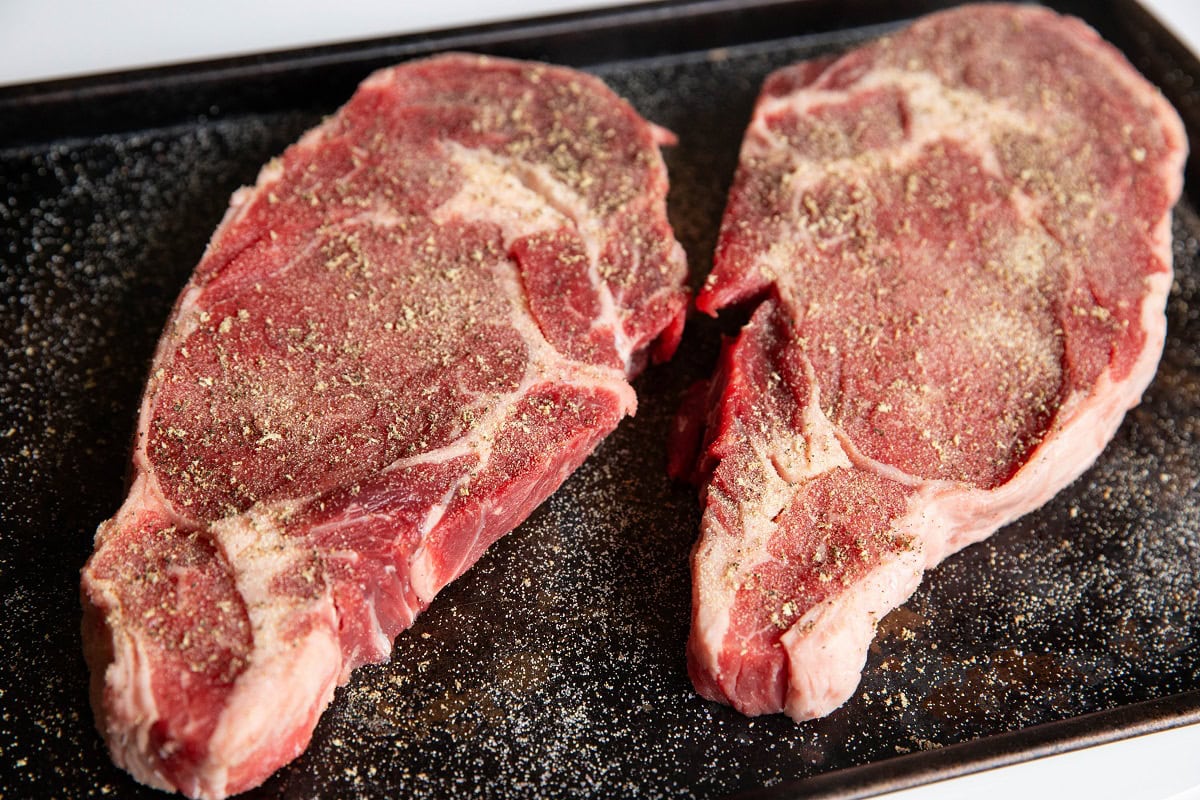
x: 43, y: 39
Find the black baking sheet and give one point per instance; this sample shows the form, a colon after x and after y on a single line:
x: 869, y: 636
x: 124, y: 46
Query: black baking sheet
x: 555, y: 666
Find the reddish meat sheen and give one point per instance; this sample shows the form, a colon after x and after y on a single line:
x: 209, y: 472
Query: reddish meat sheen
x: 962, y: 233
x: 405, y: 336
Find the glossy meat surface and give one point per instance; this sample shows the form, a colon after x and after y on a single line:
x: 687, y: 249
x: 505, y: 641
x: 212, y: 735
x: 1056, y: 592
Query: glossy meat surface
x: 962, y: 235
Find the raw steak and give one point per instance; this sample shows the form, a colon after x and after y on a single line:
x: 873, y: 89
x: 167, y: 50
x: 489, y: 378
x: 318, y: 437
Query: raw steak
x: 961, y: 237
x: 404, y: 337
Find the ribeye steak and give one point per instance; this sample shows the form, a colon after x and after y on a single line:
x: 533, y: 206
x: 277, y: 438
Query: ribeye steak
x: 960, y: 236
x: 405, y: 336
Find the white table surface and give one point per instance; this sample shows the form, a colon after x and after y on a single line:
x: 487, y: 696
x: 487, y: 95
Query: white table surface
x: 43, y: 39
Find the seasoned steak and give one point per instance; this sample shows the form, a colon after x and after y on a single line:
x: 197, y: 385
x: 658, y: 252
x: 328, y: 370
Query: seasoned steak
x: 402, y: 339
x: 959, y: 237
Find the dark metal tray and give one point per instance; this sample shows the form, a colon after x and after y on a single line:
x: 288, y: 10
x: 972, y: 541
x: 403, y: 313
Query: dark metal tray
x: 555, y: 667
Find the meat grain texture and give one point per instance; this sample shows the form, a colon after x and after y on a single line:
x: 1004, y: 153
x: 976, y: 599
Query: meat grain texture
x: 416, y: 324
x: 960, y: 237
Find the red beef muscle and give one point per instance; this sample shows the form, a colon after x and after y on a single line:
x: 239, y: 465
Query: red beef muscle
x: 962, y: 234
x: 420, y: 320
